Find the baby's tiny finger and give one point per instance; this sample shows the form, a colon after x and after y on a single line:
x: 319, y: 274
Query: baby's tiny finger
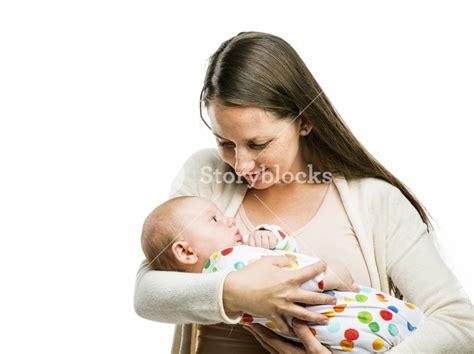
x: 265, y: 242
x: 251, y: 241
x: 272, y: 242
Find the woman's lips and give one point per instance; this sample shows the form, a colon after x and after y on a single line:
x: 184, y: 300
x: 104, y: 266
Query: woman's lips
x: 255, y: 175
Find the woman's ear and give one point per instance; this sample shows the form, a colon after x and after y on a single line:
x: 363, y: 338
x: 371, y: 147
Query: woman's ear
x: 184, y: 253
x: 304, y: 127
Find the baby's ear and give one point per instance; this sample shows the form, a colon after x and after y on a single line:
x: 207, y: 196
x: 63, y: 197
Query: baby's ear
x: 183, y: 252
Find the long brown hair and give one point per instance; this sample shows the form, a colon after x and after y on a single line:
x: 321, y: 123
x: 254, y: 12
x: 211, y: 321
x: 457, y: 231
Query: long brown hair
x: 256, y: 69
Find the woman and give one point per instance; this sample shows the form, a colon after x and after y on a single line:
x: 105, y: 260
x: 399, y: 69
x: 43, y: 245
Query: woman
x: 271, y: 120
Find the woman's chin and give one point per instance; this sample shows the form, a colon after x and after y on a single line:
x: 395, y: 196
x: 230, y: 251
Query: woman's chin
x: 259, y: 185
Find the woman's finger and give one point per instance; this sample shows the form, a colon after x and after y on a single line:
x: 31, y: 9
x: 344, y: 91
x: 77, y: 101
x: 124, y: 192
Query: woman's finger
x: 280, y: 322
x: 312, y: 298
x: 306, y: 315
x: 355, y: 288
x: 311, y: 344
x: 309, y: 272
x: 281, y: 261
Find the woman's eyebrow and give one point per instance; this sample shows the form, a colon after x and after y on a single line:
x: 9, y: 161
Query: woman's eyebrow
x: 220, y: 137
x: 250, y: 139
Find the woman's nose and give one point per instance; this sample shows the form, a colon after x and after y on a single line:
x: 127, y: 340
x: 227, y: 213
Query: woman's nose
x: 243, y: 163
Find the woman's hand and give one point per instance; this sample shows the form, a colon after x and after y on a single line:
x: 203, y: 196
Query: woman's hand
x: 263, y: 289
x: 278, y: 345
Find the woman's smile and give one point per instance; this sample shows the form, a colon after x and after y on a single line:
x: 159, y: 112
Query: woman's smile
x: 254, y: 176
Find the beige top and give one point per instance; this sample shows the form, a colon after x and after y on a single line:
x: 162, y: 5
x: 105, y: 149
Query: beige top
x: 328, y: 235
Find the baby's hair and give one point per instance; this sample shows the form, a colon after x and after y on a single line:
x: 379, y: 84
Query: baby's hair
x: 160, y: 229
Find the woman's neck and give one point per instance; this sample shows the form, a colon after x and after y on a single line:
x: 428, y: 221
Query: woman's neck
x: 282, y: 190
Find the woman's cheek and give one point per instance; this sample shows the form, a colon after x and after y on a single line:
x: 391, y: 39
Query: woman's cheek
x: 223, y: 153
x: 227, y: 155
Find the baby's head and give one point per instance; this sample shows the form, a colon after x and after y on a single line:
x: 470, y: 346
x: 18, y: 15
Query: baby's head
x: 182, y: 233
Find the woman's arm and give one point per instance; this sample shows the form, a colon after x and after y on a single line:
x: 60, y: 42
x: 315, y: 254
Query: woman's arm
x: 417, y: 269
x: 178, y: 297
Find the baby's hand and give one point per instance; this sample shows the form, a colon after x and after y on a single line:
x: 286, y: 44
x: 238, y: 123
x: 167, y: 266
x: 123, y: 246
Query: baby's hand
x: 262, y: 238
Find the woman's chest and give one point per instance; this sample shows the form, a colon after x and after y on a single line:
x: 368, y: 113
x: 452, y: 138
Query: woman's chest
x: 335, y: 239
x: 327, y: 233
x: 289, y: 210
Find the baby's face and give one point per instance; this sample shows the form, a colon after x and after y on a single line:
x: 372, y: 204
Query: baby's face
x: 206, y: 229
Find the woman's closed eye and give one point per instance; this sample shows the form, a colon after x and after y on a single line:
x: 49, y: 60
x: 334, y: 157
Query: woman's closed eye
x: 250, y: 145
x: 225, y: 143
x: 259, y: 146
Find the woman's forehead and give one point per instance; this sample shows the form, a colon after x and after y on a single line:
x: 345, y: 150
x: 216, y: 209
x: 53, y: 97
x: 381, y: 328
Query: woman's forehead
x: 244, y: 123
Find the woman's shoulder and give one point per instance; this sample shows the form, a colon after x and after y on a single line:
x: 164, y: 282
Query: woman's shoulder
x: 378, y: 198
x: 203, y: 173
x: 375, y: 197
x: 205, y: 165
x: 372, y: 190
x: 204, y: 157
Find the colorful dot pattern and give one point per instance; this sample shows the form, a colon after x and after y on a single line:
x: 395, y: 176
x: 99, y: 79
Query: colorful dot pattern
x: 238, y: 257
x: 368, y: 321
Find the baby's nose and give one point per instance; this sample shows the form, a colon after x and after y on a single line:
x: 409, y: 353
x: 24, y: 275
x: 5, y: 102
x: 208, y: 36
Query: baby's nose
x: 230, y: 222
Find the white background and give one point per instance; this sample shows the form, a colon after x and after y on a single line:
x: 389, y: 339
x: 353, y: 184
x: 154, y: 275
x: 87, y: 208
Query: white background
x: 99, y: 108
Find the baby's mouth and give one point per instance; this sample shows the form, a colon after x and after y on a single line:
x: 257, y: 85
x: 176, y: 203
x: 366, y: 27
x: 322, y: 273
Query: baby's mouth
x: 239, y: 236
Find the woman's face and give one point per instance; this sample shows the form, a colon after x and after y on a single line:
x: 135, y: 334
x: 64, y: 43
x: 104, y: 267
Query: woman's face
x: 252, y: 140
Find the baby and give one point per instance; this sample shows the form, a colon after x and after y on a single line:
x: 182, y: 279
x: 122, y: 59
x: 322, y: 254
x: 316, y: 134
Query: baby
x: 190, y: 234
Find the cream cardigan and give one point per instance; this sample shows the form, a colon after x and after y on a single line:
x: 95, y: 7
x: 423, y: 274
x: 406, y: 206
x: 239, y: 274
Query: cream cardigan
x: 394, y: 241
